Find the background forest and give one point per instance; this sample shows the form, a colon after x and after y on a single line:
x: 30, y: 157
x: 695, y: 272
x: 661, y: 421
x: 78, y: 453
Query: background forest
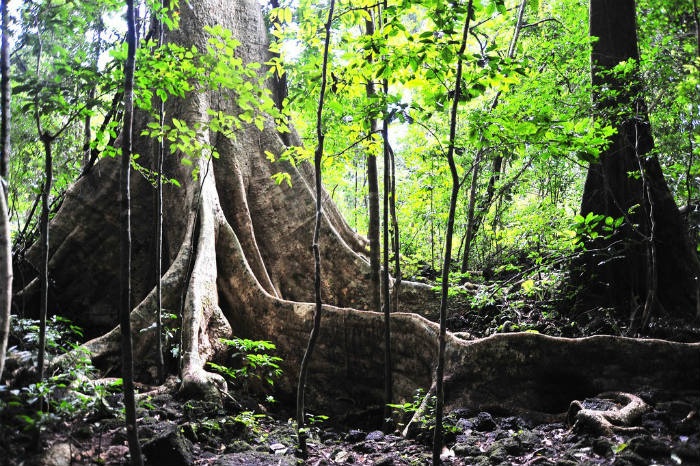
x: 463, y: 140
x: 524, y: 138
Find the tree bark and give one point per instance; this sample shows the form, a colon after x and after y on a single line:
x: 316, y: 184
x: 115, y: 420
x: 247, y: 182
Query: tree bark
x: 5, y: 240
x: 615, y: 272
x: 373, y: 190
x: 5, y: 275
x: 127, y: 360
x: 237, y: 262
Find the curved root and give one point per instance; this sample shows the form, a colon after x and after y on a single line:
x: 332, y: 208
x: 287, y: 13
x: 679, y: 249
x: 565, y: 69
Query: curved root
x: 619, y: 418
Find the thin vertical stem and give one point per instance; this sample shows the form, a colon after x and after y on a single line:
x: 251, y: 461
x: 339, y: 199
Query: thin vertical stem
x: 440, y: 369
x: 318, y: 156
x: 5, y: 92
x: 388, y: 378
x: 160, y: 363
x: 5, y: 242
x: 125, y: 242
x: 47, y: 141
x: 373, y: 193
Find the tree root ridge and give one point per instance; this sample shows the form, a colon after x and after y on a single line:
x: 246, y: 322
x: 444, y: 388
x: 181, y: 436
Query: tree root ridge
x: 608, y: 414
x: 229, y: 280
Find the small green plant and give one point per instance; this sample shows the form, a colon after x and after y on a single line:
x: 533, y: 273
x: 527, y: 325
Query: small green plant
x: 594, y: 225
x: 250, y: 359
x: 170, y: 332
x: 422, y: 409
x: 312, y: 428
x: 419, y: 404
x: 251, y: 421
x: 68, y: 393
x: 61, y: 334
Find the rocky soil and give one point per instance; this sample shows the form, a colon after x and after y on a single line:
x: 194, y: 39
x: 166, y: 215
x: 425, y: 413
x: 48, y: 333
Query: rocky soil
x: 175, y: 432
x: 178, y: 433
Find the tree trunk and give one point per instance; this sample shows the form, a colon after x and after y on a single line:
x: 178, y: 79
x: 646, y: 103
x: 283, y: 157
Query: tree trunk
x: 618, y: 272
x: 445, y: 285
x: 5, y: 240
x: 5, y: 275
x: 237, y: 262
x: 373, y: 191
x: 127, y: 361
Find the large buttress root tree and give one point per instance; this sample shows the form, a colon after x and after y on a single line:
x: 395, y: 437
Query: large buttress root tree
x: 238, y: 259
x: 648, y: 264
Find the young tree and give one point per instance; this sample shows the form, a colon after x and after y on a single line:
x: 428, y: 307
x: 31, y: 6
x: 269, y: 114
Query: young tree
x: 445, y: 286
x: 5, y: 241
x: 57, y: 86
x: 127, y: 362
x: 647, y: 265
x: 373, y: 185
x: 316, y: 241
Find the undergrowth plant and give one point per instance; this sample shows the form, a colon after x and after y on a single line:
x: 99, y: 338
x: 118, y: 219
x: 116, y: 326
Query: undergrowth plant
x: 250, y: 359
x: 419, y: 411
x: 69, y: 393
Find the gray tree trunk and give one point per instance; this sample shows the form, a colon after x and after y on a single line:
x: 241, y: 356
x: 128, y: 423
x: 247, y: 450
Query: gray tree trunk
x: 5, y: 241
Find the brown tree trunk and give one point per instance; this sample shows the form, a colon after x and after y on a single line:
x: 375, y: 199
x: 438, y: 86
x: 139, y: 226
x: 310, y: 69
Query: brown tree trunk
x: 618, y: 272
x: 237, y: 262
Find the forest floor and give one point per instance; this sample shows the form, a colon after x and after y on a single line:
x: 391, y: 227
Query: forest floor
x: 177, y: 432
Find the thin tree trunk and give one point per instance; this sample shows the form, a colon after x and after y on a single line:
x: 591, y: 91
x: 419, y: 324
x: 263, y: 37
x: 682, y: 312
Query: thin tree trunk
x: 318, y: 156
x: 373, y: 196
x: 125, y: 243
x: 5, y: 241
x: 46, y: 140
x: 470, y: 210
x: 160, y: 363
x: 474, y: 220
x: 5, y: 91
x: 44, y: 227
x: 652, y: 271
x: 87, y: 130
x: 5, y: 275
x: 388, y: 379
x: 396, y: 234
x: 440, y: 370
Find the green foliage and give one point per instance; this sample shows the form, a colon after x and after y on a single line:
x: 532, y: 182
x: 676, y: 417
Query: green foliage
x: 171, y: 71
x: 251, y: 421
x: 594, y: 225
x: 61, y: 334
x: 57, y: 82
x: 424, y: 407
x: 250, y: 359
x: 65, y: 395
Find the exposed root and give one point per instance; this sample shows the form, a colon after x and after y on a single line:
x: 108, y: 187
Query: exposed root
x: 203, y: 322
x: 198, y: 383
x: 612, y: 413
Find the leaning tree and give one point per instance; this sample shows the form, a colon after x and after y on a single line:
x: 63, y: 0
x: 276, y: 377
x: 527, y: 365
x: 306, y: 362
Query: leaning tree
x: 238, y: 262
